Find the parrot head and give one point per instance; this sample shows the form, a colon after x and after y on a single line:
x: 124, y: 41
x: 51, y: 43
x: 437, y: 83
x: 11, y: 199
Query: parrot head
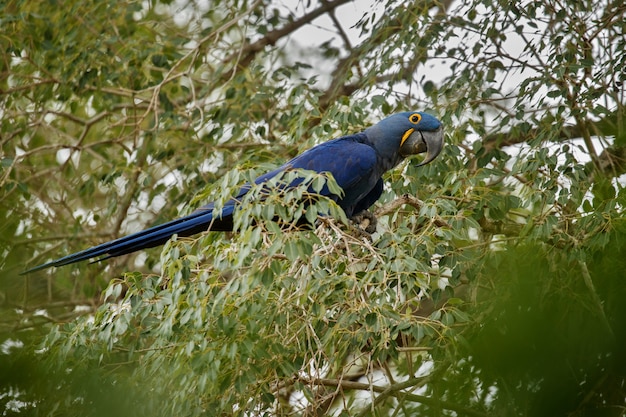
x: 407, y: 133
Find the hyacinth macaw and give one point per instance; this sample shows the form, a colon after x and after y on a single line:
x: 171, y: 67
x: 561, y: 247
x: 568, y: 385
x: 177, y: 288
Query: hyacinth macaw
x: 357, y: 163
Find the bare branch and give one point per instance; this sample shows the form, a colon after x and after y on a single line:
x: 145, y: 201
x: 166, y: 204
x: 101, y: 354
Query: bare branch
x: 395, y: 390
x: 411, y: 201
x: 244, y: 57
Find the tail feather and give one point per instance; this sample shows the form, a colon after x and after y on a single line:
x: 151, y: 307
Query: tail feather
x: 198, y: 221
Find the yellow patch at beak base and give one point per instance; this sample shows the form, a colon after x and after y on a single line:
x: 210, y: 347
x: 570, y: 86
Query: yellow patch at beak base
x: 406, y: 136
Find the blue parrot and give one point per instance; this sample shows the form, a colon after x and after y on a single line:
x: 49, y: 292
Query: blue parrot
x: 357, y: 163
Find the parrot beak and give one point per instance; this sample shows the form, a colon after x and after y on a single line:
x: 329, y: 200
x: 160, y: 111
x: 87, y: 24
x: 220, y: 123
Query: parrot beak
x: 419, y: 141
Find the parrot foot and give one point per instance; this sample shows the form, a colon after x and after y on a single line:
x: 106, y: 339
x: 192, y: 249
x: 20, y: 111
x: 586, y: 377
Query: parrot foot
x: 366, y: 220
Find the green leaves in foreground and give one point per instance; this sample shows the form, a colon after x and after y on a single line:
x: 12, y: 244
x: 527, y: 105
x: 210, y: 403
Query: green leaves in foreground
x: 250, y: 320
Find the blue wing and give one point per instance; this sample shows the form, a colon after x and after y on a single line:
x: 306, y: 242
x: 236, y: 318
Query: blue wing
x: 352, y: 163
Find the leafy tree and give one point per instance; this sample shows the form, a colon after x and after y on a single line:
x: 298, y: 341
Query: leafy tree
x: 494, y: 283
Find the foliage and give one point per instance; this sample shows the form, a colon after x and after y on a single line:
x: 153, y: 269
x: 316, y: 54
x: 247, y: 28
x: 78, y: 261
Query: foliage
x: 493, y: 285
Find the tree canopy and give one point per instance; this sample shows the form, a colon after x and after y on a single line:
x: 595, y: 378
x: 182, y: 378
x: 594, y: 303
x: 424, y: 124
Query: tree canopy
x: 493, y: 285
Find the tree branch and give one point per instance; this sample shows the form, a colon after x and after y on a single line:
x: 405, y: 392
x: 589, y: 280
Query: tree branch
x: 521, y: 134
x: 395, y: 390
x: 340, y: 87
x: 611, y: 162
x: 245, y: 56
x: 411, y: 201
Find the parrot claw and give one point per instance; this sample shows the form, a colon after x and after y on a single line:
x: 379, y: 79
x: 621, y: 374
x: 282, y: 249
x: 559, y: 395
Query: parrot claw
x: 366, y: 220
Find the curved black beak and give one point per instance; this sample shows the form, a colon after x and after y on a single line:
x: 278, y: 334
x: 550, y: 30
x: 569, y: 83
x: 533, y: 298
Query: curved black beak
x: 429, y: 141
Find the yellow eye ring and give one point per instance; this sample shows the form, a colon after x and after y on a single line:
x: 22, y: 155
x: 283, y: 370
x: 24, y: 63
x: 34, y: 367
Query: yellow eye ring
x: 415, y: 118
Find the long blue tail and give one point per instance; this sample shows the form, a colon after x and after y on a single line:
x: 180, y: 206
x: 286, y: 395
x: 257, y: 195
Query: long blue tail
x: 198, y: 221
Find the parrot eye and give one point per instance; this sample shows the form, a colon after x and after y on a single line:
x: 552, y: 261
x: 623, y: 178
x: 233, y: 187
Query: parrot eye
x: 415, y: 118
